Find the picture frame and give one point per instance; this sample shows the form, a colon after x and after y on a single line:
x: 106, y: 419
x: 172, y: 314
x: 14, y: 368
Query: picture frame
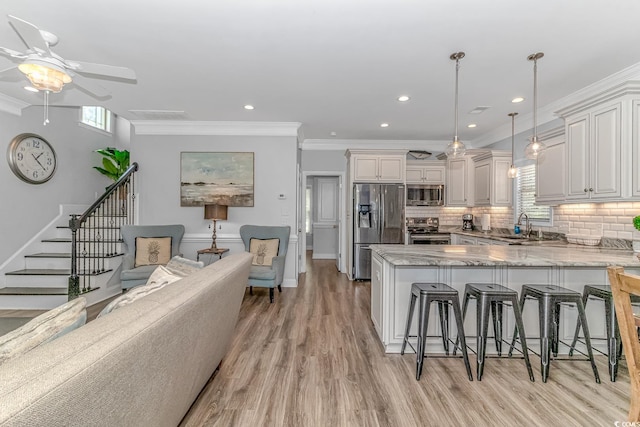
x: 224, y: 178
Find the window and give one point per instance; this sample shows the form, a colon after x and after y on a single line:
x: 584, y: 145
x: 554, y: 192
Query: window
x: 97, y: 117
x: 308, y: 194
x: 526, y: 199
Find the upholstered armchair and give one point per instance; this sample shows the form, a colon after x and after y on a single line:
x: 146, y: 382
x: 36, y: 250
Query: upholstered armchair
x: 269, y: 245
x: 138, y: 266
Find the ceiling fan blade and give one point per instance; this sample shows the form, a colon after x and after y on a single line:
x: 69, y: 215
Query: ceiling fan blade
x: 12, y: 53
x: 92, y: 88
x: 102, y: 70
x: 29, y: 34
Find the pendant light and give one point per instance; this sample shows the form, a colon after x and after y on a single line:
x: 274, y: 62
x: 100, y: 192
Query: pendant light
x: 513, y: 171
x: 455, y: 147
x: 535, y: 147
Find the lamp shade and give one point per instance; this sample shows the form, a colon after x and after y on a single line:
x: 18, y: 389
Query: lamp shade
x: 215, y: 212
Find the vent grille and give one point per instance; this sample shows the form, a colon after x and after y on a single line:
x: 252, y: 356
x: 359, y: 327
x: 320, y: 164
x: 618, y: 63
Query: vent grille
x: 479, y: 110
x: 159, y: 114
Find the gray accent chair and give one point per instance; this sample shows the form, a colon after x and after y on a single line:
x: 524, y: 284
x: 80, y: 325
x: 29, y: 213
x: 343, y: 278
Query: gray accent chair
x: 267, y: 276
x: 131, y: 276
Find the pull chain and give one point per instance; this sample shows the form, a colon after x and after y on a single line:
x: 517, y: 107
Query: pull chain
x: 46, y: 107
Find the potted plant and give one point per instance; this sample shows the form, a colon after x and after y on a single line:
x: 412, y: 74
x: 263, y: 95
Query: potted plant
x: 636, y: 240
x: 114, y: 162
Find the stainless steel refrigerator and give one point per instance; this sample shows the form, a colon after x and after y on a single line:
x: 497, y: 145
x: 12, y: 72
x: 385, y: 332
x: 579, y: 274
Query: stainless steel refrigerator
x: 378, y: 218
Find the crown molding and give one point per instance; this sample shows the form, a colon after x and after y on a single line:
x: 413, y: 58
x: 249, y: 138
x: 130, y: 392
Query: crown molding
x: 12, y: 105
x: 376, y: 144
x: 186, y: 127
x: 550, y: 112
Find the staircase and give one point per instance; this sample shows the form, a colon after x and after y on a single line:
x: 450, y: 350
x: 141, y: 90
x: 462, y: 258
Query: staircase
x: 79, y: 257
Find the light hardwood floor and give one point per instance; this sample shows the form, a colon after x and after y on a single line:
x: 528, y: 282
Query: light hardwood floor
x: 312, y: 358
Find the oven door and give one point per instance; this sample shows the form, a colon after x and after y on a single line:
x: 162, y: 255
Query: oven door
x: 429, y: 239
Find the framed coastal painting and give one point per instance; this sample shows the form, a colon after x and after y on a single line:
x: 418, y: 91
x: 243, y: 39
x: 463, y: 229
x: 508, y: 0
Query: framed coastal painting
x: 216, y: 178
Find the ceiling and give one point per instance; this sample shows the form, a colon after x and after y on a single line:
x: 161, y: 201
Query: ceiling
x: 334, y: 65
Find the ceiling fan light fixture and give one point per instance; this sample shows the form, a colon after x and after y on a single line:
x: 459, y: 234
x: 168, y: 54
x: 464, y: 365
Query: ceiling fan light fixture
x: 456, y: 148
x: 535, y: 147
x: 44, y: 77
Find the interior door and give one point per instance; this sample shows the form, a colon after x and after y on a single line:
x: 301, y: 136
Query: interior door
x: 325, y: 227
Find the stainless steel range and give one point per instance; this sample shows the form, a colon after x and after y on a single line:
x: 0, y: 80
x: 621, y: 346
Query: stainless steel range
x: 424, y: 231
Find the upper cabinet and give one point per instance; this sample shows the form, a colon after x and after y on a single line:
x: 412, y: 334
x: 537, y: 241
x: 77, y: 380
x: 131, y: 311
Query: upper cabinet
x: 426, y: 172
x: 377, y: 165
x: 459, y: 185
x: 492, y: 185
x: 550, y: 169
x: 602, y: 146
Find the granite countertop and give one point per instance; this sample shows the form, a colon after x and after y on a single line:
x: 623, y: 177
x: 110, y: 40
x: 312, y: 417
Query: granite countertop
x: 513, y: 255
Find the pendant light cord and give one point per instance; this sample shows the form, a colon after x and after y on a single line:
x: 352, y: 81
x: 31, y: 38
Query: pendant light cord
x: 455, y: 135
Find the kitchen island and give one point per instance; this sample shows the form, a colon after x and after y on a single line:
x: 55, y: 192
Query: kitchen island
x: 395, y: 267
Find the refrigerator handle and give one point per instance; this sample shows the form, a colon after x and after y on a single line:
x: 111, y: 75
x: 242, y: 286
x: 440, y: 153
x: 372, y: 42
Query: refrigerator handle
x: 381, y: 217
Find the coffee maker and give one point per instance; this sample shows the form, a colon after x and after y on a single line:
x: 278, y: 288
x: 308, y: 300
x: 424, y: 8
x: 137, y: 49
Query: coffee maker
x: 467, y: 222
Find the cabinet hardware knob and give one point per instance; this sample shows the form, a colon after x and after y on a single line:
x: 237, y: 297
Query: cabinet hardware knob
x: 585, y: 190
x: 591, y: 189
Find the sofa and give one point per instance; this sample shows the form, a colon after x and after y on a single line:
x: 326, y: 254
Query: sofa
x: 143, y: 364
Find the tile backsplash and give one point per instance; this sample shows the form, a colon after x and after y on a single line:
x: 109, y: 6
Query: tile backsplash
x: 613, y: 220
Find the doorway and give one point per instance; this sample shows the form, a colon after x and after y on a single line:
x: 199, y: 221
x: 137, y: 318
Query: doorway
x: 323, y: 210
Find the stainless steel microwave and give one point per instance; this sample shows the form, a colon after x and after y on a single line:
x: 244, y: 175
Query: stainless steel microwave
x: 425, y: 195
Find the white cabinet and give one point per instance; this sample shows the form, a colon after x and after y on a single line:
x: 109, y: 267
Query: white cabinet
x: 376, y: 293
x: 459, y: 186
x: 636, y: 149
x: 550, y: 172
x: 593, y: 154
x: 377, y: 166
x: 492, y: 186
x: 429, y: 172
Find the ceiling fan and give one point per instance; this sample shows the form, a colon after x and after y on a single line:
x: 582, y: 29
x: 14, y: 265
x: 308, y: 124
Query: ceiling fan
x: 48, y: 71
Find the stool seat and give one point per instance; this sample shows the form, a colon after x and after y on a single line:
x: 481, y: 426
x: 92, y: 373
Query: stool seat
x: 550, y: 298
x: 444, y: 295
x: 493, y: 295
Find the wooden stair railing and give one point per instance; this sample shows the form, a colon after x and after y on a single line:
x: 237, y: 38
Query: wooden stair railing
x: 95, y: 235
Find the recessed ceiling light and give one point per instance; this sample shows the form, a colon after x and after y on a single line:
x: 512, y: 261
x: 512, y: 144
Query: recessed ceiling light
x: 248, y: 107
x: 384, y: 125
x: 403, y: 98
x: 471, y: 125
x: 31, y: 89
x: 518, y: 99
x: 333, y: 134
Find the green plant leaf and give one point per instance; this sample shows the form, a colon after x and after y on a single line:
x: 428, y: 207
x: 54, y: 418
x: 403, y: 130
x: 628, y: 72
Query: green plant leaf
x: 636, y: 222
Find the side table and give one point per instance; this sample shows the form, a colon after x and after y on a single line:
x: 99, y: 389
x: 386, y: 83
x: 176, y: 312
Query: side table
x: 212, y: 251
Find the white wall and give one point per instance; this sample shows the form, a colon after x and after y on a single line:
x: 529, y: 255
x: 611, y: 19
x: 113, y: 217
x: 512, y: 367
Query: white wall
x: 158, y: 181
x: 318, y: 160
x: 26, y: 208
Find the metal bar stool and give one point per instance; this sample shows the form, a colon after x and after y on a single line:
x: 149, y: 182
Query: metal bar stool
x: 444, y: 295
x: 549, y: 299
x: 614, y: 344
x: 493, y: 296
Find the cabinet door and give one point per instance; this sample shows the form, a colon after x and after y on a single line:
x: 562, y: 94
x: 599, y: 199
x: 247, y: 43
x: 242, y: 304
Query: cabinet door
x: 482, y: 183
x: 550, y: 176
x: 457, y: 182
x: 577, y: 132
x: 463, y: 240
x: 414, y: 175
x: 501, y: 187
x: 635, y: 144
x: 376, y: 294
x: 433, y: 174
x: 365, y: 168
x: 391, y: 169
x: 605, y: 153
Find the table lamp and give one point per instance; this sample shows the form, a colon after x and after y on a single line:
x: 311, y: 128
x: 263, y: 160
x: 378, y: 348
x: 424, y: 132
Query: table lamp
x: 215, y: 212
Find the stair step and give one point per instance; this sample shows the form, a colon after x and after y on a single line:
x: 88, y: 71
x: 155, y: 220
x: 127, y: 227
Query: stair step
x: 51, y: 272
x: 33, y: 291
x: 68, y: 240
x: 68, y: 255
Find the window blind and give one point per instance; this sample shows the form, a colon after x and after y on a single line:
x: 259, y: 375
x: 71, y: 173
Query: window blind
x: 526, y: 196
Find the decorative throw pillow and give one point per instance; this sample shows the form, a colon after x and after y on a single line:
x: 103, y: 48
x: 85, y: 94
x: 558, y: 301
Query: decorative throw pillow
x: 183, y: 266
x: 132, y: 295
x: 46, y: 327
x: 264, y: 250
x: 152, y: 250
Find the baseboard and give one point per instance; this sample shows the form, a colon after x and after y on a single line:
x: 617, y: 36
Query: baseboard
x: 289, y: 283
x: 323, y: 256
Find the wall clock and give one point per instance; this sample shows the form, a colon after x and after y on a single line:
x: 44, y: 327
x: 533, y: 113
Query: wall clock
x: 31, y: 158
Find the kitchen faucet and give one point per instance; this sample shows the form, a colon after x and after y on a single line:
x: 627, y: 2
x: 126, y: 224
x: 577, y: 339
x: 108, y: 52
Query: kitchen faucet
x: 527, y: 232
